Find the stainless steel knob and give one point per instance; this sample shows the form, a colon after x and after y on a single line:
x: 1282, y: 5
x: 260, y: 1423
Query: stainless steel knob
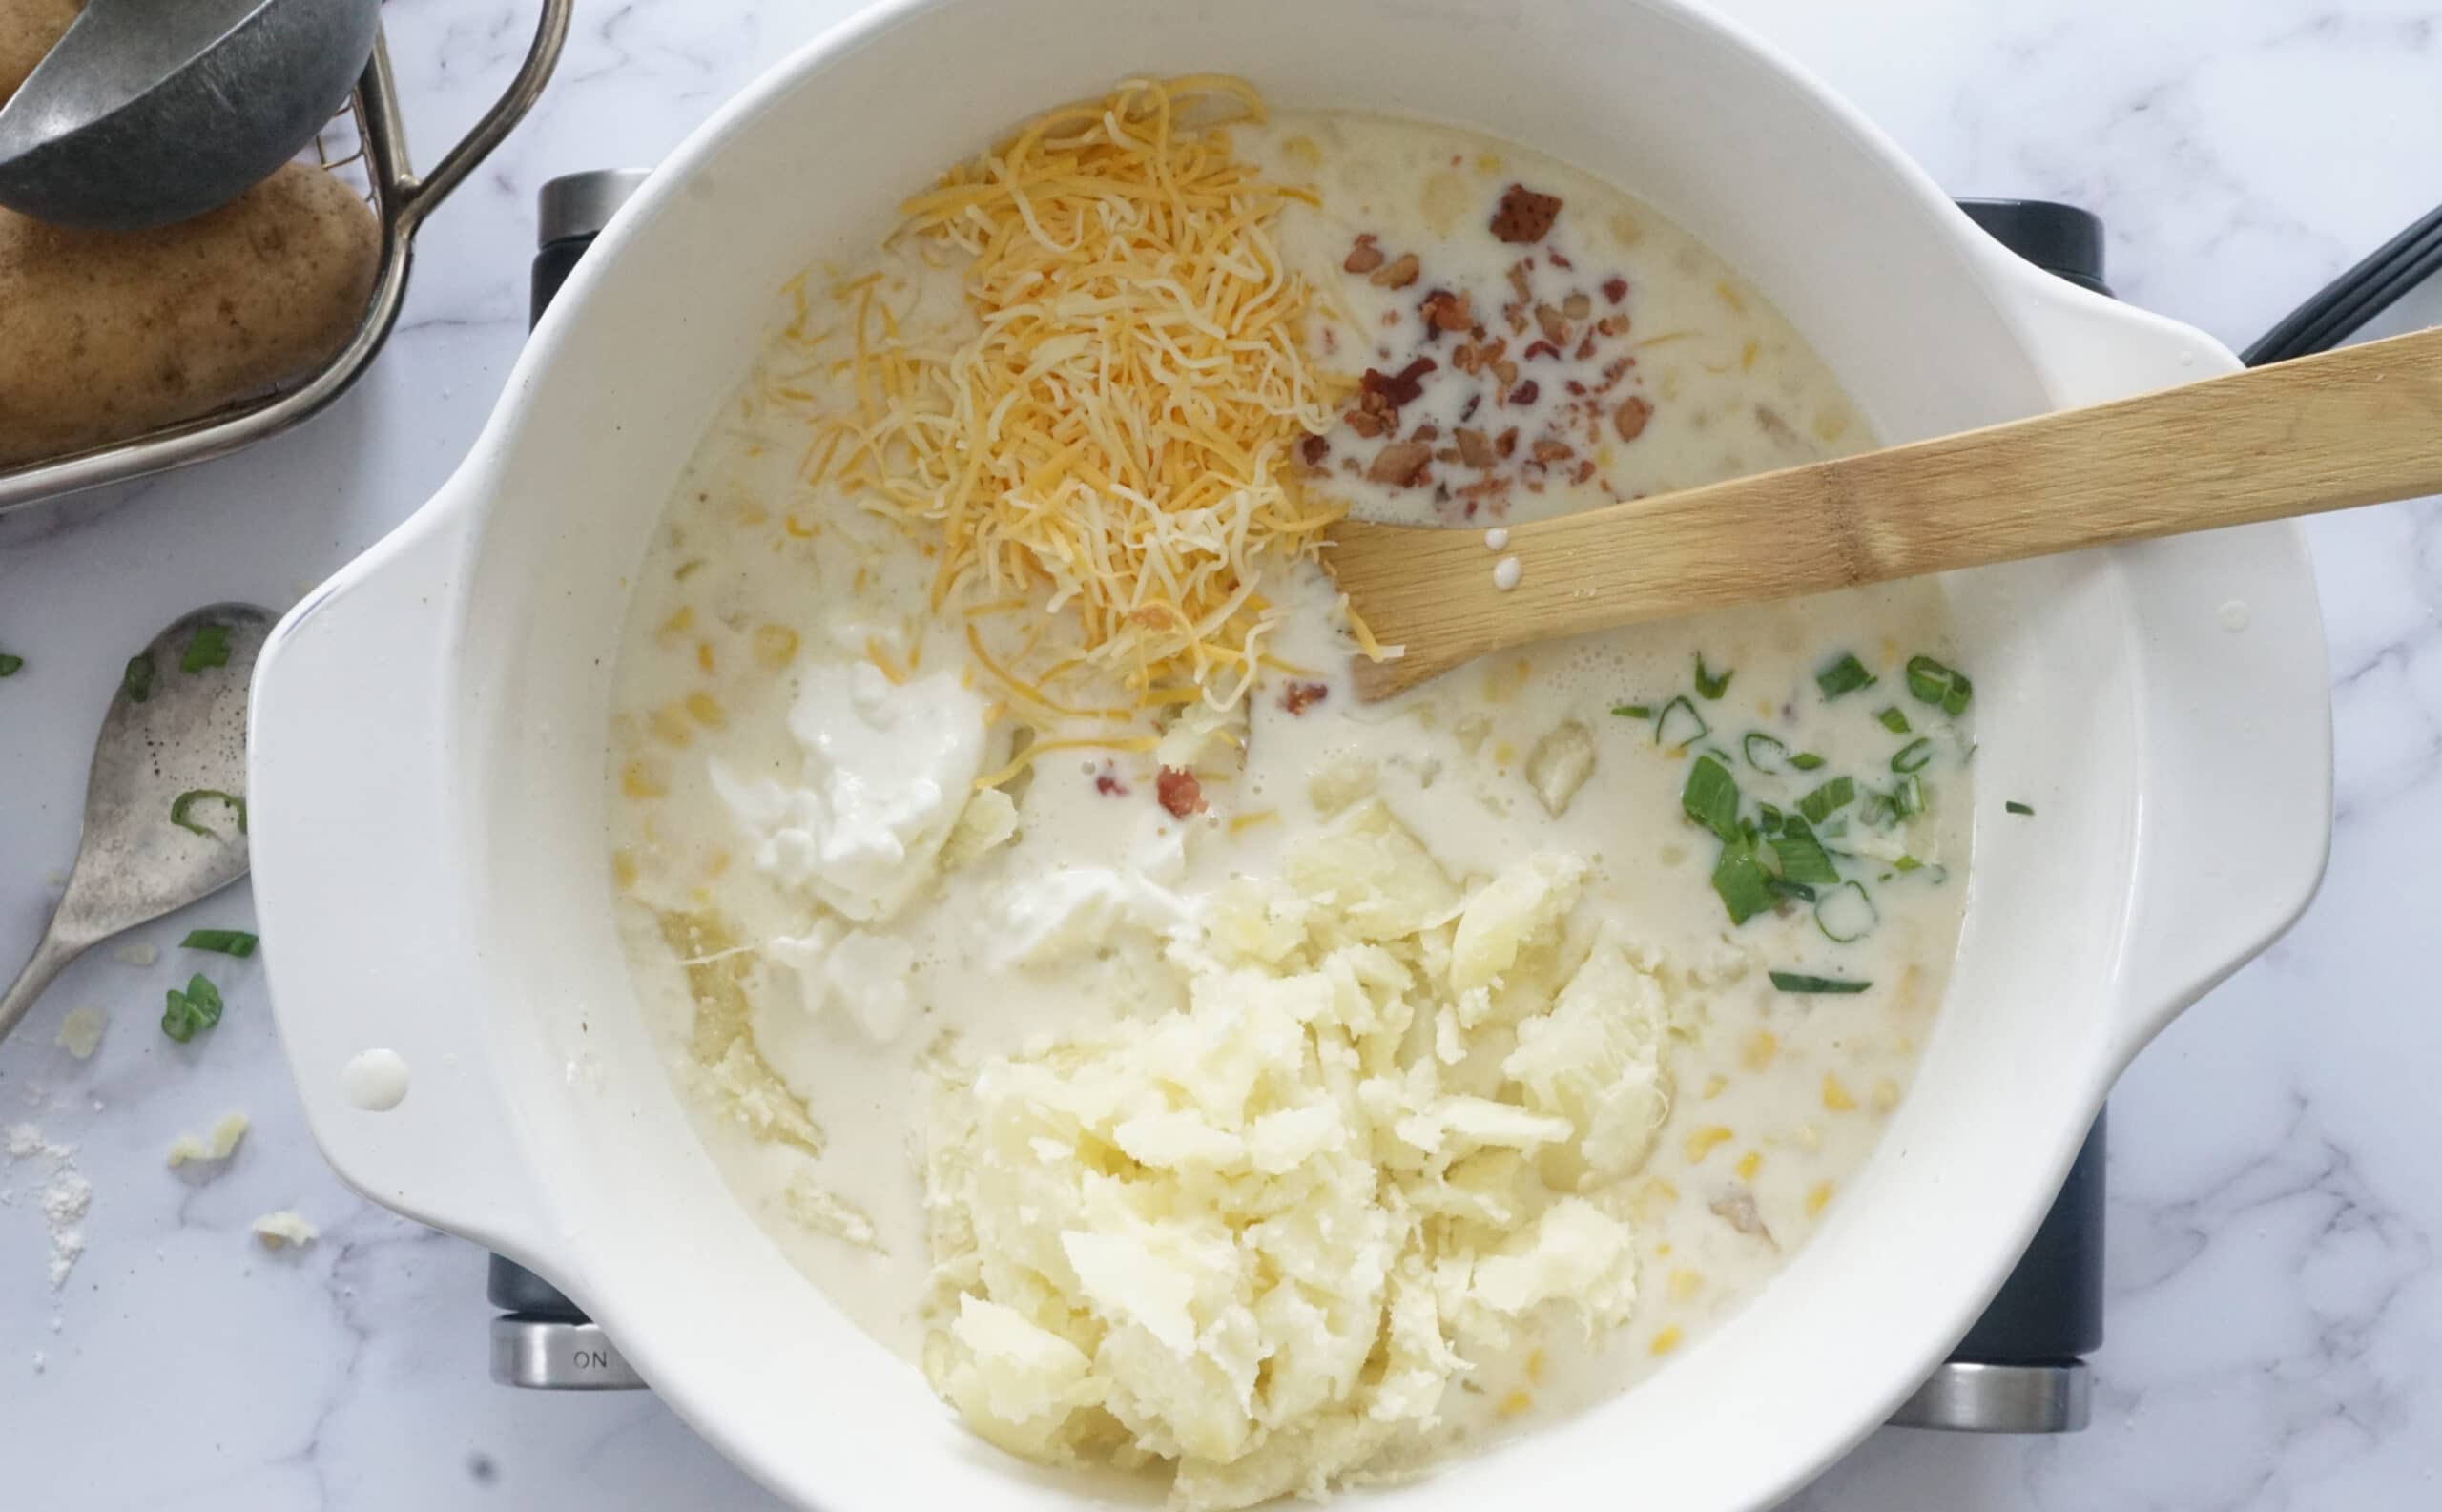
x: 548, y: 1355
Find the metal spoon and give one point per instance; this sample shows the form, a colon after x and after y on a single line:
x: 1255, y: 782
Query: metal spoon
x: 159, y: 833
x: 147, y: 112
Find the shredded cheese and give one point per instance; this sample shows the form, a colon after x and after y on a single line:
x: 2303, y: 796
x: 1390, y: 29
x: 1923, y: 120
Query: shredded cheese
x: 1117, y: 428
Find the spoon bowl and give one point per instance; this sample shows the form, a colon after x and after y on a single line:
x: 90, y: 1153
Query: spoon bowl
x: 147, y: 113
x: 165, y: 818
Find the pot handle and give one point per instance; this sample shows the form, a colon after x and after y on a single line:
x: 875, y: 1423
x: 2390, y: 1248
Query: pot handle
x: 351, y: 863
x: 2235, y: 822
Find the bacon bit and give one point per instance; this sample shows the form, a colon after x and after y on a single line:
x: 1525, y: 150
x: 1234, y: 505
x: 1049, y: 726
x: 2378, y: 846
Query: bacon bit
x: 1506, y: 443
x: 1367, y: 424
x: 1577, y: 307
x: 1425, y: 433
x: 1466, y: 358
x: 1475, y: 402
x: 1548, y: 450
x: 1314, y: 449
x: 1398, y: 389
x: 1525, y: 215
x: 1178, y: 792
x: 1398, y: 274
x: 1445, y: 311
x: 1526, y: 393
x: 1364, y: 257
x: 1475, y: 447
x: 1446, y: 454
x: 1615, y: 289
x: 1555, y: 328
x: 1401, y: 463
x: 1515, y: 316
x: 1297, y: 696
x: 1505, y: 370
x: 1575, y: 389
x: 1631, y: 417
x: 1535, y: 349
x: 1612, y: 325
x: 1584, y: 472
x: 1517, y: 280
x: 1584, y: 349
x: 1108, y: 783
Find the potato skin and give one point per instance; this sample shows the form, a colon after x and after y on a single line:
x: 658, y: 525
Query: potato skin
x: 107, y: 334
x: 27, y: 31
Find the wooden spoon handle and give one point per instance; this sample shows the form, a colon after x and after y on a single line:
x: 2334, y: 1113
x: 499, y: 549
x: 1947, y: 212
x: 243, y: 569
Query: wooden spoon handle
x: 2361, y: 426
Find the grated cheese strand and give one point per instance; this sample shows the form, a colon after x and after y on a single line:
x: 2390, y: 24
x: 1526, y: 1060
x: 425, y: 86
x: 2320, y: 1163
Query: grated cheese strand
x: 1119, y: 429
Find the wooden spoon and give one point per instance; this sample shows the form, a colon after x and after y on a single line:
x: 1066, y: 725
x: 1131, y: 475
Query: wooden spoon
x: 2361, y: 426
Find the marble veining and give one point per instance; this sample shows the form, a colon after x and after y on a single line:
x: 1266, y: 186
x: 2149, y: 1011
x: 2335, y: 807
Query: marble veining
x: 2276, y: 1323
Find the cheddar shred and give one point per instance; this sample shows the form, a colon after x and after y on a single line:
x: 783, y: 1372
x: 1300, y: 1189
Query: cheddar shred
x: 1120, y: 427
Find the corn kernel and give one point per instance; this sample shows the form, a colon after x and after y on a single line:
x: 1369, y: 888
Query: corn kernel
x: 1515, y: 1403
x: 1504, y: 754
x: 1817, y: 1196
x: 1713, y: 1086
x: 1534, y: 1365
x: 1487, y: 162
x: 1666, y: 1341
x: 1757, y: 1053
x: 1886, y: 1094
x: 1662, y: 1251
x: 670, y: 726
x: 640, y: 779
x: 802, y: 529
x: 753, y: 514
x: 707, y: 711
x: 1702, y: 1141
x: 776, y: 646
x: 716, y: 863
x: 704, y: 657
x: 1749, y: 1164
x: 1685, y: 1283
x: 623, y: 868
x: 1835, y: 1097
x: 1303, y: 152
x: 680, y: 621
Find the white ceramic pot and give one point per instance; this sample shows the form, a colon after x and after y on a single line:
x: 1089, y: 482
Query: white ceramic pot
x: 429, y: 732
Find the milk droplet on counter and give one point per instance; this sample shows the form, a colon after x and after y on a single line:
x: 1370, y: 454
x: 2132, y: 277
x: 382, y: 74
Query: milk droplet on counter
x: 1506, y: 573
x: 2233, y: 615
x: 1496, y: 538
x: 375, y: 1080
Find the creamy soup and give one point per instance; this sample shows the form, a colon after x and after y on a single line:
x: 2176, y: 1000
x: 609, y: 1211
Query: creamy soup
x: 1590, y: 975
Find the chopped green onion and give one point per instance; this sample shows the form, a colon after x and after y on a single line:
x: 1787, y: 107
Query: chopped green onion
x: 1894, y: 720
x: 2014, y: 806
x: 1801, y: 856
x: 1914, y: 756
x: 1905, y: 864
x: 1710, y: 797
x: 197, y: 1007
x: 1828, y: 800
x: 208, y: 649
x: 1764, y: 753
x: 1707, y: 683
x: 1908, y: 797
x: 1745, y: 887
x: 137, y: 679
x: 1943, y: 686
x: 10, y: 665
x: 187, y: 800
x: 1847, y: 674
x: 222, y: 941
x: 1767, y: 819
x: 1633, y: 711
x: 1799, y: 981
x: 1679, y: 725
x: 1786, y: 888
x: 1805, y: 761
x: 1845, y: 914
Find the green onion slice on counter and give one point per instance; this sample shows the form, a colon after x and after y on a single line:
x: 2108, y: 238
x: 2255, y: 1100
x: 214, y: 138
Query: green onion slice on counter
x: 1800, y: 981
x: 209, y: 647
x: 1710, y: 684
x: 221, y: 941
x: 195, y: 1008
x: 1945, y: 688
x: 2014, y: 806
x: 10, y: 665
x: 183, y: 807
x: 1845, y: 675
x: 1679, y: 725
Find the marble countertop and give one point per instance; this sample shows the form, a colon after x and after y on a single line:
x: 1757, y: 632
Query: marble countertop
x: 2276, y: 1304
